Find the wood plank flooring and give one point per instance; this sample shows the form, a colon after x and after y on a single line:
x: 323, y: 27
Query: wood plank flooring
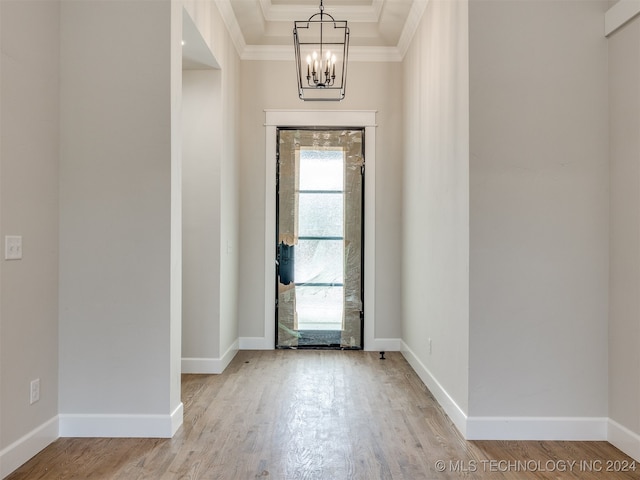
x: 318, y: 415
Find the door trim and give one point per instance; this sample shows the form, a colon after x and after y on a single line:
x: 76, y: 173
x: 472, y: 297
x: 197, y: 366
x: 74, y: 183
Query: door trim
x: 320, y: 118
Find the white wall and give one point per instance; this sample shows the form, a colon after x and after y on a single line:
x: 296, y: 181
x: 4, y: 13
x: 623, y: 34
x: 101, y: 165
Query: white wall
x: 114, y: 146
x: 29, y: 207
x: 531, y: 343
x: 370, y: 86
x: 230, y: 253
x: 119, y: 273
x: 201, y: 164
x: 436, y: 205
x: 212, y: 177
x: 624, y: 312
x: 539, y: 212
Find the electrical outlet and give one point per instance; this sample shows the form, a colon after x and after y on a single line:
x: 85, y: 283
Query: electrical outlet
x: 13, y: 247
x: 35, y: 391
x: 429, y: 346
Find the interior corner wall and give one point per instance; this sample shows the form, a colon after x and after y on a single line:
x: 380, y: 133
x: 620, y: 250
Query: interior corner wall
x: 116, y: 262
x: 29, y: 155
x: 539, y: 212
x: 624, y: 313
x: 211, y: 27
x: 230, y: 253
x: 201, y: 165
x: 370, y: 86
x: 175, y: 211
x: 435, y: 315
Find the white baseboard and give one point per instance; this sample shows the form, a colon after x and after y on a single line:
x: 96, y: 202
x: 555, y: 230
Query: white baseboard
x: 624, y: 439
x: 26, y: 447
x: 386, y: 345
x: 210, y: 365
x: 256, y: 343
x: 121, y: 425
x: 511, y: 428
x: 537, y: 428
x: 177, y: 417
x: 451, y: 408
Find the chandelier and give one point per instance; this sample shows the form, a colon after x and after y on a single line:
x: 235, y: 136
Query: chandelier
x: 322, y: 47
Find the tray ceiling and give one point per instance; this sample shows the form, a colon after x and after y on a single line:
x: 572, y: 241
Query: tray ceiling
x: 379, y: 29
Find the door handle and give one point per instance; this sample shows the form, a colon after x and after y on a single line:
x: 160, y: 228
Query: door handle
x: 286, y: 263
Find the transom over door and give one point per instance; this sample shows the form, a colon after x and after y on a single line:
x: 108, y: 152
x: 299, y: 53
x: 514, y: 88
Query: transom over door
x: 319, y: 230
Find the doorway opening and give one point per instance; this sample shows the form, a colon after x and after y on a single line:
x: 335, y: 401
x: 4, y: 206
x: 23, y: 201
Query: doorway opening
x: 319, y: 238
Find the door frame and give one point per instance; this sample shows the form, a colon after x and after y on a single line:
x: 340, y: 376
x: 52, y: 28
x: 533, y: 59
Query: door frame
x: 360, y: 119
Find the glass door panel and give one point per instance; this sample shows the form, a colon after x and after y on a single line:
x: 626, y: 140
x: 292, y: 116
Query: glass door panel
x: 319, y: 258
x: 319, y: 261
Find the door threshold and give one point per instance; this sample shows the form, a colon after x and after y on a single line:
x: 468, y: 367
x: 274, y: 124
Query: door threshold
x: 315, y: 347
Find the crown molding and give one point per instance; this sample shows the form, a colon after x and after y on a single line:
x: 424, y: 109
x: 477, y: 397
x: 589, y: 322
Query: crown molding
x: 418, y: 8
x: 229, y: 19
x: 619, y: 14
x: 289, y: 13
x: 374, y: 54
x: 286, y: 53
x: 356, y: 53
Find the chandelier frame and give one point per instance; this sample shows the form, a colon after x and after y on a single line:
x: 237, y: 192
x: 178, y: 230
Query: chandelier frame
x: 320, y: 83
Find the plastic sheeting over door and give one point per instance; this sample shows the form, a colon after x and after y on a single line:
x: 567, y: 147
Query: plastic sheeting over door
x: 319, y: 229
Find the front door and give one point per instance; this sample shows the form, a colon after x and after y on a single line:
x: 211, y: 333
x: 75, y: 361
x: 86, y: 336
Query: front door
x: 319, y: 216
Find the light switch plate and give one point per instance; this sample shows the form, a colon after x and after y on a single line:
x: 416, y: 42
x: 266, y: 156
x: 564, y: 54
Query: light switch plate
x: 13, y: 247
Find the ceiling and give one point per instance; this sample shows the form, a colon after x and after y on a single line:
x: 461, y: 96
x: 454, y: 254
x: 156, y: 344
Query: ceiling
x: 380, y: 30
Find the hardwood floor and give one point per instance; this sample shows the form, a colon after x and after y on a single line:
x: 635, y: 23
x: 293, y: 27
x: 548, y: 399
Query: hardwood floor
x: 327, y: 415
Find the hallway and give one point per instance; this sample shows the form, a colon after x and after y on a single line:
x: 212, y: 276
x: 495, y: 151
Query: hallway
x: 329, y: 415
